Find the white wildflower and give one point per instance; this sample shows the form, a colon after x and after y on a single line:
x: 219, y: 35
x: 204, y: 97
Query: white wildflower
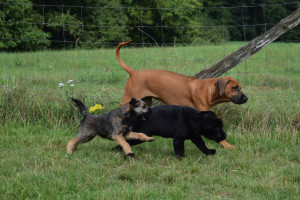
x: 61, y: 85
x: 70, y: 81
x: 72, y: 85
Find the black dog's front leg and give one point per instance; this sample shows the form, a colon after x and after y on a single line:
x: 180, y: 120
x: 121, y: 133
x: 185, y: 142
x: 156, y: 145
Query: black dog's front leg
x: 198, y: 141
x: 178, y: 145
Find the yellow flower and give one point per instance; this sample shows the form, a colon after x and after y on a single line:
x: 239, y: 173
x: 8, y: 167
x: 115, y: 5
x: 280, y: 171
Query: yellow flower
x: 95, y: 108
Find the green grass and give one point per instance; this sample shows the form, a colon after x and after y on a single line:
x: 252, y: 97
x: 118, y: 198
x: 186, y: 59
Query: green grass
x: 37, y: 120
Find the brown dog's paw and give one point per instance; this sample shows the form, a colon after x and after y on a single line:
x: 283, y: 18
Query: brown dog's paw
x: 226, y: 145
x: 230, y: 146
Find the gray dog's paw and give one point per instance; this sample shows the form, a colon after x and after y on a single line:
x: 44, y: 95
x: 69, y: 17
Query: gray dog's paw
x: 131, y: 154
x: 150, y: 139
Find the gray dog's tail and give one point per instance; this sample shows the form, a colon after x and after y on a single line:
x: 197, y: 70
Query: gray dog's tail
x: 81, y: 106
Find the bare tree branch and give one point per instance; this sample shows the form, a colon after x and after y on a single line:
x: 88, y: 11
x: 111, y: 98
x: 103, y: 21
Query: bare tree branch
x: 252, y: 47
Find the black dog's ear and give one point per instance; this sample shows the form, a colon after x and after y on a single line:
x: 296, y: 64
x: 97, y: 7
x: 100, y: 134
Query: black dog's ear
x: 221, y: 85
x: 133, y: 101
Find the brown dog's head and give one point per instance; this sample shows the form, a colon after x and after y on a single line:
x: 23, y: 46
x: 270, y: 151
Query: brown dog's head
x: 230, y: 90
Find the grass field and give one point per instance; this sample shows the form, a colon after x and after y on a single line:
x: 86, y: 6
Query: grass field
x: 37, y: 119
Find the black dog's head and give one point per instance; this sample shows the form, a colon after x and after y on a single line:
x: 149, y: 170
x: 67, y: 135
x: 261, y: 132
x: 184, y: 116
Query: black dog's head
x: 212, y: 126
x: 139, y: 107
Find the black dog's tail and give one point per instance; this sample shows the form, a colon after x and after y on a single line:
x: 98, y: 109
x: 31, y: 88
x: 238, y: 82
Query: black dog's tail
x: 81, y: 106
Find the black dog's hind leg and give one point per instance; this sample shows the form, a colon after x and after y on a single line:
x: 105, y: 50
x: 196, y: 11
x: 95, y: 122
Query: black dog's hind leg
x: 198, y: 141
x: 178, y: 145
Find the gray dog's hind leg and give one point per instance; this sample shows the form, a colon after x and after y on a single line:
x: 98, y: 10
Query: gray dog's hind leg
x: 80, y: 138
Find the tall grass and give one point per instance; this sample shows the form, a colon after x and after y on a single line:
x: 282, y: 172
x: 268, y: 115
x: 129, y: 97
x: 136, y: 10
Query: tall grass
x: 30, y: 91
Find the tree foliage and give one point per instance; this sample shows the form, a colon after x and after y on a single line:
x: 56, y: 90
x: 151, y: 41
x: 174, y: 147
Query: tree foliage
x: 28, y: 25
x: 19, y: 29
x: 247, y: 19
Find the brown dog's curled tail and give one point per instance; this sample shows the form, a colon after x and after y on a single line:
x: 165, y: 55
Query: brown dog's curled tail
x: 120, y: 61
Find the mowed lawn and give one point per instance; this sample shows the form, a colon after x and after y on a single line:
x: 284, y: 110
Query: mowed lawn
x: 38, y: 119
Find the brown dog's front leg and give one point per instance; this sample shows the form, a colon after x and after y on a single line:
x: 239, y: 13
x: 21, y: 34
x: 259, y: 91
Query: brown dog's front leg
x: 226, y: 145
x: 125, y: 146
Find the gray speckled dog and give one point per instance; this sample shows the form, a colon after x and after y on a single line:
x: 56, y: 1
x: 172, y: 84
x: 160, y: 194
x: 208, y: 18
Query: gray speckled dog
x: 114, y: 125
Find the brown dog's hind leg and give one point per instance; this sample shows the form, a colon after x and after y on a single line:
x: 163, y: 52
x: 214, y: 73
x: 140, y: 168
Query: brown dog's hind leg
x: 138, y: 136
x: 125, y: 146
x: 148, y: 101
x: 128, y: 94
x: 125, y: 100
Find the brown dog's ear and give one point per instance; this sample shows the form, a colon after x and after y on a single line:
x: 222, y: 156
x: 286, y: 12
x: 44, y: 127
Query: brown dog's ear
x: 133, y: 101
x: 221, y: 85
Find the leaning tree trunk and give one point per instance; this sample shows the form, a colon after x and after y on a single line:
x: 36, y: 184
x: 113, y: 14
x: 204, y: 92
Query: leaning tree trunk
x: 252, y: 47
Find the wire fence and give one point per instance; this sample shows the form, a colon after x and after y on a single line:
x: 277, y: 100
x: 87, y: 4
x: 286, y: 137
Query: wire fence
x: 274, y: 62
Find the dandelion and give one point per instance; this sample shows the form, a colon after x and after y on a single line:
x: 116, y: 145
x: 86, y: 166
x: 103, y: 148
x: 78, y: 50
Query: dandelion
x: 70, y: 81
x: 61, y: 85
x: 95, y: 108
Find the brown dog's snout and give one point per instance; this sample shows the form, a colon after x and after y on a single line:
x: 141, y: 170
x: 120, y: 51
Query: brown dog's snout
x: 245, y: 98
x: 239, y: 99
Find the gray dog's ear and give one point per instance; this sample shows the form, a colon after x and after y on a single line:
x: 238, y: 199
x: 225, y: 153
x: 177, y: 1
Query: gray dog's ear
x: 221, y: 85
x: 133, y: 101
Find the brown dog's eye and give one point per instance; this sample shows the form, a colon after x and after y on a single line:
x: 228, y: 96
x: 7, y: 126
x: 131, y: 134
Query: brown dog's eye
x: 236, y: 88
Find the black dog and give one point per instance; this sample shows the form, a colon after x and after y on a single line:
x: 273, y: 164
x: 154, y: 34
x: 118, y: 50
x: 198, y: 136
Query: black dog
x: 114, y: 125
x: 181, y: 123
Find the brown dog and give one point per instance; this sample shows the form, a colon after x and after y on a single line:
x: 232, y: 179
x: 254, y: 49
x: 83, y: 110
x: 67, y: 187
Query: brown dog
x: 176, y: 89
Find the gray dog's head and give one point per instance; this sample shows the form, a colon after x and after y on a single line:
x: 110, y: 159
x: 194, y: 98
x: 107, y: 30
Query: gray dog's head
x: 139, y: 107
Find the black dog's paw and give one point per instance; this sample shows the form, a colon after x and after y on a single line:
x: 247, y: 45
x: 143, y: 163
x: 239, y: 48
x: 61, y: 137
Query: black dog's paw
x: 117, y: 148
x: 180, y: 157
x: 211, y: 152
